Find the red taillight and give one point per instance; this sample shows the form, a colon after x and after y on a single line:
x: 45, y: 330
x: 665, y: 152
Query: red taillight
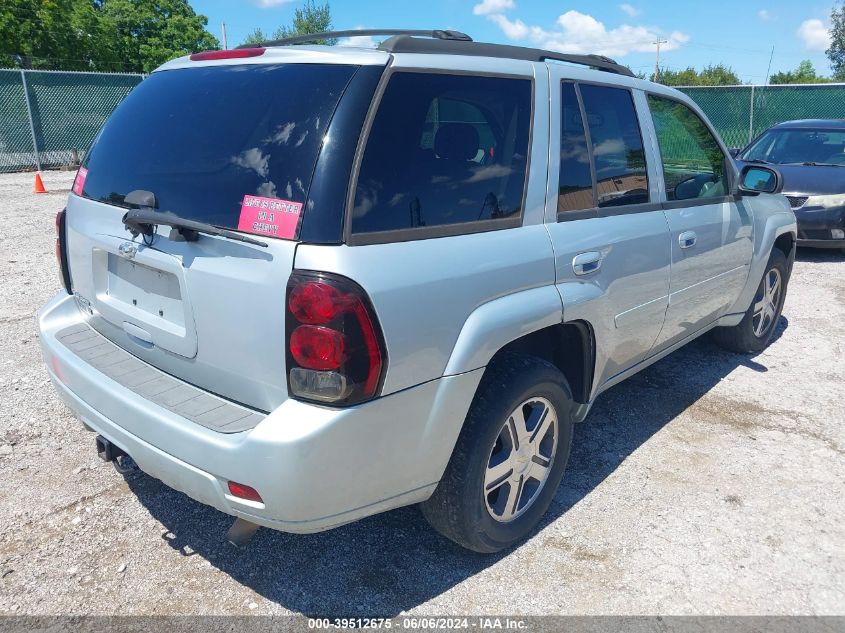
x: 335, y: 349
x: 315, y: 347
x: 315, y: 303
x: 237, y: 53
x: 242, y: 491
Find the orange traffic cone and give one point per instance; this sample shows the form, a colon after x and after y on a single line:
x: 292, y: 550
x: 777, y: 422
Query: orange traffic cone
x: 39, y: 184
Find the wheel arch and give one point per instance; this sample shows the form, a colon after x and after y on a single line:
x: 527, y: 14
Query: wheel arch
x: 529, y: 322
x: 775, y: 227
x: 785, y: 242
x: 571, y: 347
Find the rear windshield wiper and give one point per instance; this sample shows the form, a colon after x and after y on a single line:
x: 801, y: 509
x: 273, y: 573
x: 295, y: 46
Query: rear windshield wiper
x: 143, y: 221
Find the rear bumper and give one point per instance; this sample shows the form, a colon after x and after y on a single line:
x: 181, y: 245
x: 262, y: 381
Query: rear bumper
x: 315, y: 467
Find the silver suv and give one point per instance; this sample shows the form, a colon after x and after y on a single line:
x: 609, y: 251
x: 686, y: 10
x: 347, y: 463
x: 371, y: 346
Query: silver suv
x: 307, y: 284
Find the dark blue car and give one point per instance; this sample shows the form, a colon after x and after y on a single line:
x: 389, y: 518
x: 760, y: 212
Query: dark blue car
x: 811, y: 156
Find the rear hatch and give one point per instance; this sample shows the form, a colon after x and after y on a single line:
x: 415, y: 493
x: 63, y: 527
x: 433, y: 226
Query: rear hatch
x: 234, y: 146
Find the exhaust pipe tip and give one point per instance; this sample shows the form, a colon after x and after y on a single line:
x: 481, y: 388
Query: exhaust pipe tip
x: 241, y: 532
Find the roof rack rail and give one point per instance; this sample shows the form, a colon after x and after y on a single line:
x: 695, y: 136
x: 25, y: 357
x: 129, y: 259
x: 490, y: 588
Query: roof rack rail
x: 448, y: 42
x: 404, y: 44
x: 438, y: 34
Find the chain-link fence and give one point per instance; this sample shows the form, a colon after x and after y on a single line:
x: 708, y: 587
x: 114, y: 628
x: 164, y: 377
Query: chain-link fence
x: 740, y: 113
x: 49, y: 118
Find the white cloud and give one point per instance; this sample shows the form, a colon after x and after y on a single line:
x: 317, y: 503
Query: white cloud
x: 282, y: 133
x: 267, y: 4
x: 815, y: 35
x: 489, y: 7
x: 580, y: 33
x: 253, y: 159
x: 629, y: 10
x: 359, y: 41
x: 764, y: 15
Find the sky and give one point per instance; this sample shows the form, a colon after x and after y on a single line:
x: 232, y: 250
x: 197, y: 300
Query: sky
x: 738, y: 33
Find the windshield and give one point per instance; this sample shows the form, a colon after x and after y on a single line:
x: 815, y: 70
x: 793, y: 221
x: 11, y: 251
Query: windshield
x: 201, y: 139
x: 798, y: 146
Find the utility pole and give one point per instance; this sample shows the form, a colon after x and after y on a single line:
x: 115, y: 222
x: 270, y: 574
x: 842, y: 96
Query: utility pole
x: 657, y: 60
x: 225, y: 43
x: 769, y: 69
x: 26, y: 96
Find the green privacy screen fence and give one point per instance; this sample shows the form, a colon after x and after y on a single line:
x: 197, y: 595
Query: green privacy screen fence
x: 740, y: 113
x: 51, y: 118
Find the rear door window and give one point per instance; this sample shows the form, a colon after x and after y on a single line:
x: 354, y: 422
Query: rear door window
x: 445, y: 151
x: 201, y: 139
x: 575, y: 182
x: 618, y: 151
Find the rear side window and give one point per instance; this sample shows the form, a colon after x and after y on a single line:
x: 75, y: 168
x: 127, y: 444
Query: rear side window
x: 618, y: 151
x: 575, y: 184
x: 201, y: 139
x: 444, y: 150
x: 694, y: 165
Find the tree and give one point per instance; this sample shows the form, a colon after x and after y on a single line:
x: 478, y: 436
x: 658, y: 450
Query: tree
x: 713, y: 75
x: 718, y: 75
x: 310, y: 18
x: 256, y: 37
x: 805, y: 73
x: 686, y: 77
x: 836, y: 52
x: 107, y: 35
x: 151, y: 32
x: 55, y: 34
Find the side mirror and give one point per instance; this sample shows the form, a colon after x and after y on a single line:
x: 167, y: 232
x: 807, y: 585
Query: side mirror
x: 734, y: 151
x: 757, y: 179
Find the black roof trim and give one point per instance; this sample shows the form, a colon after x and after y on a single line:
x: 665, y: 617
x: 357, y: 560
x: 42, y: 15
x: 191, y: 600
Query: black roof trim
x: 406, y: 44
x: 437, y: 34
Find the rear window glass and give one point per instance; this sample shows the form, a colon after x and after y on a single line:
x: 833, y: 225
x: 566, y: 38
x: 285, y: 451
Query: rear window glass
x: 618, y: 151
x: 201, y: 139
x: 444, y: 150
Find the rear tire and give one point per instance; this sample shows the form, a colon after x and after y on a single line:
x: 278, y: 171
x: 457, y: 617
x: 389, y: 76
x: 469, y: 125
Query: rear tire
x: 755, y: 331
x: 509, y: 458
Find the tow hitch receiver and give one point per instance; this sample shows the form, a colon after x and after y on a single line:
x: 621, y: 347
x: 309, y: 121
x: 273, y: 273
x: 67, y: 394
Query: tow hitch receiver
x: 107, y: 451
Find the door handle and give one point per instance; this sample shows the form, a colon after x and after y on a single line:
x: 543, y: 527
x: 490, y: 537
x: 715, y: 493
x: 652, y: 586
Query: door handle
x: 687, y: 239
x: 587, y: 263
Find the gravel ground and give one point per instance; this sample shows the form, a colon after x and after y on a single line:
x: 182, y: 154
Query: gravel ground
x: 711, y: 483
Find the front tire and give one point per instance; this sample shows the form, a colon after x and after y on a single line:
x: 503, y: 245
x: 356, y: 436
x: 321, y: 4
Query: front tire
x: 755, y: 331
x: 509, y: 458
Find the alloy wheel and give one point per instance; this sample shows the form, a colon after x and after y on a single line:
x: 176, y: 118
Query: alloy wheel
x: 521, y: 459
x: 766, y: 303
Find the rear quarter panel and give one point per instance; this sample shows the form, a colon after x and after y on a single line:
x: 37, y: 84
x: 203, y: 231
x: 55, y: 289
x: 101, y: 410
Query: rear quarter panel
x: 425, y: 291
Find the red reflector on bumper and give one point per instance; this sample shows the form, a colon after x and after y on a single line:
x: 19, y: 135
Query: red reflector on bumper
x: 243, y: 491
